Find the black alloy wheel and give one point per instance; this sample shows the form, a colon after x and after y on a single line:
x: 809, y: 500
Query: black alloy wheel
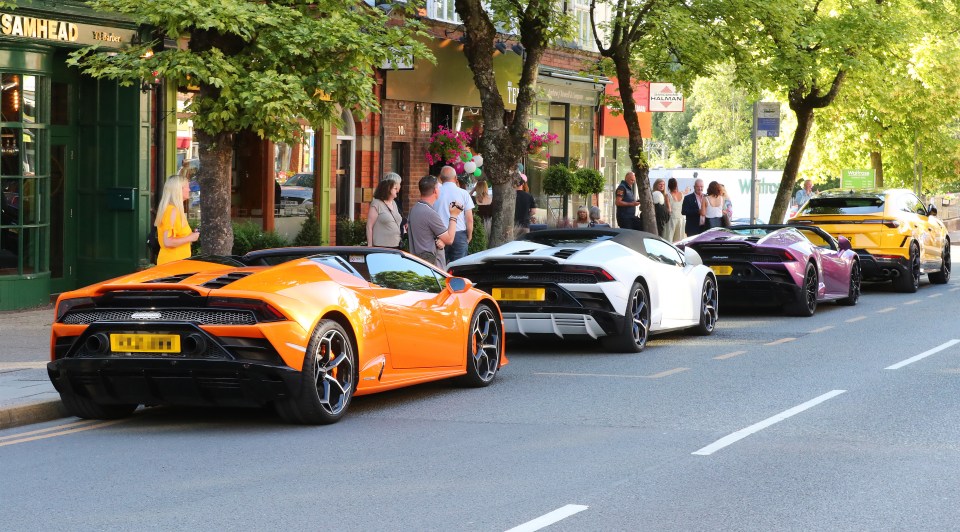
x: 709, y: 300
x: 636, y: 323
x: 483, y: 347
x: 909, y: 281
x: 328, y: 378
x: 942, y: 276
x: 806, y: 303
x: 856, y: 279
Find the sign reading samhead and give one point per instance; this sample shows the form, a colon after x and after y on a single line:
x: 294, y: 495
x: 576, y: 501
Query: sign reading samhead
x: 23, y: 27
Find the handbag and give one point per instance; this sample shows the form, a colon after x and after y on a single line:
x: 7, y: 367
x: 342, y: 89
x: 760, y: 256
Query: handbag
x: 725, y: 220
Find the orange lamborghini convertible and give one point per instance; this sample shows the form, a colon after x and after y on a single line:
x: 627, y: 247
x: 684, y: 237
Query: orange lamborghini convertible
x: 303, y: 329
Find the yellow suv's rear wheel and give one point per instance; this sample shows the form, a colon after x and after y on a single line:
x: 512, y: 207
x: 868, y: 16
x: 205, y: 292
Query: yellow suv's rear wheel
x: 909, y: 281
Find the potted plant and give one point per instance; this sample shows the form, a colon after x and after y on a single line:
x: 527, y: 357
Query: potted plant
x: 588, y: 182
x: 560, y: 180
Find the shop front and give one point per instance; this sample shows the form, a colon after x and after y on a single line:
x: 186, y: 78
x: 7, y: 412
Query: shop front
x: 615, y: 142
x: 566, y: 106
x: 74, y: 158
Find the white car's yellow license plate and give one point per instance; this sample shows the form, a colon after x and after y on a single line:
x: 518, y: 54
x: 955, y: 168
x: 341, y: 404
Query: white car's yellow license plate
x: 145, y: 343
x: 519, y: 294
x: 722, y: 270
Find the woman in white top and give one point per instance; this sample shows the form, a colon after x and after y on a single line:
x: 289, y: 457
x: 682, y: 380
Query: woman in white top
x: 712, y: 207
x: 673, y: 232
x: 383, y: 219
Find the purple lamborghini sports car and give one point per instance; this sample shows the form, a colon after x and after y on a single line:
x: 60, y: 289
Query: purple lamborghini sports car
x: 780, y: 265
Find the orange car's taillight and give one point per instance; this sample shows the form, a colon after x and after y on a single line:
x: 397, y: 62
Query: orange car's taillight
x: 67, y: 305
x: 263, y: 310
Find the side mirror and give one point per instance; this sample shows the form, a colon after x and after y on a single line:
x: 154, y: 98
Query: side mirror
x: 691, y: 257
x: 843, y: 243
x: 931, y: 210
x: 458, y: 285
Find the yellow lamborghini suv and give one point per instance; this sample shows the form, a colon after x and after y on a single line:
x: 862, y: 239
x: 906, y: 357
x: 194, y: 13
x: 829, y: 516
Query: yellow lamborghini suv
x: 896, y: 236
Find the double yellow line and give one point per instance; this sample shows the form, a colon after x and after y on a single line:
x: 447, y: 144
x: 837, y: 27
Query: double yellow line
x: 59, y: 430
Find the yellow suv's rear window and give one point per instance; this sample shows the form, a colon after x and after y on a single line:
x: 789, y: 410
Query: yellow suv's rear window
x: 852, y: 205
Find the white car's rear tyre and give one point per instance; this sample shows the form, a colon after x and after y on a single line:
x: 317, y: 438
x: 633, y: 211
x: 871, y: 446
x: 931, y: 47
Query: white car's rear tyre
x: 636, y: 323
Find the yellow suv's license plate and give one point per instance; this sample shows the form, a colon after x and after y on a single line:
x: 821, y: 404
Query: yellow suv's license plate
x: 519, y: 294
x: 145, y: 343
x: 722, y: 270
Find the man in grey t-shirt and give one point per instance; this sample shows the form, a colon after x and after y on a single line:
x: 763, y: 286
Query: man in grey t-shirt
x: 428, y: 234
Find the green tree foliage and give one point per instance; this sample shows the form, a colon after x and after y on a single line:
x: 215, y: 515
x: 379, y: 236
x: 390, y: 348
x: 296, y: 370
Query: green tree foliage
x: 559, y: 180
x: 806, y: 50
x: 588, y: 181
x: 351, y: 232
x: 257, y: 66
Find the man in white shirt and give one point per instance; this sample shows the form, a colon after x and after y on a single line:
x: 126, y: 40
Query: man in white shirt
x: 451, y: 193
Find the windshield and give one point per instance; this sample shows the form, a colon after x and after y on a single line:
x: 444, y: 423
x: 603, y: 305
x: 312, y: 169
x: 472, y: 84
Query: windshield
x: 300, y: 180
x: 851, y: 205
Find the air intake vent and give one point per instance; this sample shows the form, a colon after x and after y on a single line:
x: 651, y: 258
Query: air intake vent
x: 523, y: 252
x: 564, y: 253
x: 172, y: 278
x: 224, y: 280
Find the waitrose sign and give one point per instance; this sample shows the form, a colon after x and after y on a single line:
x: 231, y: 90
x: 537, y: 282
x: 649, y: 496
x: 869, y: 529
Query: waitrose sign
x: 858, y: 179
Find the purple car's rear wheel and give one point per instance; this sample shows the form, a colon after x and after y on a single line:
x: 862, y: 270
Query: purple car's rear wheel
x: 806, y: 303
x: 855, y: 279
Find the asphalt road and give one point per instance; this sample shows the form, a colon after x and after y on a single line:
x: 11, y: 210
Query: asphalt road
x: 773, y: 423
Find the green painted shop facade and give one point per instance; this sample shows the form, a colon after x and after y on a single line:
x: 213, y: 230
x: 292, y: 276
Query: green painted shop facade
x: 75, y: 156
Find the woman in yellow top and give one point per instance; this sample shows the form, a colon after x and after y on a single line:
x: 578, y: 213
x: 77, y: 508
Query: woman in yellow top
x: 173, y: 230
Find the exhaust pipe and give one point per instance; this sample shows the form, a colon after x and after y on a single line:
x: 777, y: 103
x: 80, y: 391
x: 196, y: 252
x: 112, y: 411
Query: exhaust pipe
x: 97, y: 343
x: 194, y: 344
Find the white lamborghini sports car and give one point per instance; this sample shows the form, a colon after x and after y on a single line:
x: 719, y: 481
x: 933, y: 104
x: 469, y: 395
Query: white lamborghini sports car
x: 616, y: 285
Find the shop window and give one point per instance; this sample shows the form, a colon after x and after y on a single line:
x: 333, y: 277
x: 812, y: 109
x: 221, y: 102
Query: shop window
x: 24, y: 167
x: 59, y: 104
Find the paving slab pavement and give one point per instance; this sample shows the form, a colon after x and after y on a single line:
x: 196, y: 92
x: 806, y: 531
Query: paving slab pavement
x: 26, y: 393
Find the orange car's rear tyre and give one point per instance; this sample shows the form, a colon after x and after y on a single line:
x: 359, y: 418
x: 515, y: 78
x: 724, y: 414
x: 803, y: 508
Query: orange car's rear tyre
x: 942, y: 276
x: 328, y: 378
x: 806, y: 303
x: 483, y: 347
x: 89, y: 409
x: 909, y: 281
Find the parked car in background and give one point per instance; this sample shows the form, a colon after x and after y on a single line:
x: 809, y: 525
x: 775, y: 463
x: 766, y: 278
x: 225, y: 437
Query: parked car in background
x: 897, y: 238
x: 618, y: 285
x: 301, y: 329
x: 298, y: 190
x: 795, y: 267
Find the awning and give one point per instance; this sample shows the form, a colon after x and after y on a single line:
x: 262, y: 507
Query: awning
x: 616, y: 126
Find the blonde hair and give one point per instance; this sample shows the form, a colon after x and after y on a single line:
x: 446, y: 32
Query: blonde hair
x: 172, y: 195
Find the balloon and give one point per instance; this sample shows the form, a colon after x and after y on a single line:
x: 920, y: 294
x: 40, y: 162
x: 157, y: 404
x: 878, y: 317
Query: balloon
x: 478, y: 159
x: 466, y: 156
x: 458, y: 167
x: 477, y: 172
x: 469, y: 167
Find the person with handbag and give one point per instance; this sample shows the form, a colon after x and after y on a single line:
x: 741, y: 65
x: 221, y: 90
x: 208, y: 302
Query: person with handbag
x: 384, y: 222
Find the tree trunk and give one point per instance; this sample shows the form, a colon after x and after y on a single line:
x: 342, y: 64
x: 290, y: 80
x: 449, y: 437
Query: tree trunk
x: 641, y: 167
x: 502, y: 226
x: 876, y: 162
x: 216, y: 154
x: 804, y: 114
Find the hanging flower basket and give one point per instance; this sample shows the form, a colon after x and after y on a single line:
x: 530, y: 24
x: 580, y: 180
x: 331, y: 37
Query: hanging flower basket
x: 449, y: 147
x: 536, y: 141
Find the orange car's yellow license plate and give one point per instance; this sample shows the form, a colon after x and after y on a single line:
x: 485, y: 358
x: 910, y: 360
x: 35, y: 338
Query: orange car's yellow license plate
x: 145, y: 343
x: 519, y: 294
x: 722, y: 270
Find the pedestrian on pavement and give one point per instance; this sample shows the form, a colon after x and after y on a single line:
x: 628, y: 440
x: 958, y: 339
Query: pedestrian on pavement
x: 673, y: 231
x: 595, y: 220
x: 383, y: 218
x: 711, y: 208
x: 627, y: 202
x: 804, y: 194
x: 173, y: 229
x: 727, y: 207
x: 450, y: 193
x: 691, y: 209
x: 428, y: 232
x: 524, y: 209
x: 661, y: 207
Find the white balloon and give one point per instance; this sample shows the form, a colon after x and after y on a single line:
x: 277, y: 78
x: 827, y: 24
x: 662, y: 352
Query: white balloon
x: 469, y: 167
x: 478, y: 159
